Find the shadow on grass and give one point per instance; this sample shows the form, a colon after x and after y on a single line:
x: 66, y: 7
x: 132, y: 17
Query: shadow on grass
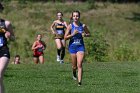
x: 7, y: 75
x: 135, y: 17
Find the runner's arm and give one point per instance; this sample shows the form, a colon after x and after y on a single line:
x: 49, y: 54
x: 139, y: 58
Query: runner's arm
x: 52, y: 27
x: 66, y: 24
x: 86, y: 31
x: 67, y: 34
x: 34, y: 46
x: 9, y: 33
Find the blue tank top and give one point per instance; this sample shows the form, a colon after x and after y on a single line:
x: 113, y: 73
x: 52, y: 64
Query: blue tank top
x: 77, y: 39
x: 3, y: 40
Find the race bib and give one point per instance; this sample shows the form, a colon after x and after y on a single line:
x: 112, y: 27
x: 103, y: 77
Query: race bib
x: 40, y: 49
x: 60, y: 32
x: 1, y: 41
x: 77, y: 42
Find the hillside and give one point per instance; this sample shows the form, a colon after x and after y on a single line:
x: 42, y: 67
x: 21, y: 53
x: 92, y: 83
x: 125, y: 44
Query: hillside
x: 117, y: 24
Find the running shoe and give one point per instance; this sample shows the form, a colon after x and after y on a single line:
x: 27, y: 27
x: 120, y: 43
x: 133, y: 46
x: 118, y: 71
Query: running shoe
x: 58, y: 58
x: 74, y: 78
x: 79, y: 84
x: 61, y: 61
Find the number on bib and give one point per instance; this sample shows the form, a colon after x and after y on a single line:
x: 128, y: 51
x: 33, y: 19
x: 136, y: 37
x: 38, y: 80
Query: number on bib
x: 60, y: 32
x: 1, y: 41
x: 77, y: 42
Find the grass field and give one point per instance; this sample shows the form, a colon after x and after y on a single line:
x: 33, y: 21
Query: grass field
x: 99, y: 77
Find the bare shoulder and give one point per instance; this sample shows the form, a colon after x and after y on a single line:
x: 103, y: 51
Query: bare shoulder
x: 84, y: 25
x: 34, y: 42
x: 56, y: 21
x: 7, y: 22
x: 65, y: 22
x: 69, y: 26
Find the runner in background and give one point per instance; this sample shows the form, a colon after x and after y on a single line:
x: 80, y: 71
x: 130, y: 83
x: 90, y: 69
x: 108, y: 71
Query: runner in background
x: 58, y: 29
x: 38, y: 47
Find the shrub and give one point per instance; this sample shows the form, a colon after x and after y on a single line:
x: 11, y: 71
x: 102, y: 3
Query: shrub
x: 27, y: 48
x: 124, y: 53
x: 97, y: 47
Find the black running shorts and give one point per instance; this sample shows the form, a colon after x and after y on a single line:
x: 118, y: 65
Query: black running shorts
x: 4, y: 52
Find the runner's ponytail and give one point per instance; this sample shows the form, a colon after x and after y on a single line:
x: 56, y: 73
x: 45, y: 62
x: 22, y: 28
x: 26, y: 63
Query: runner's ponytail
x: 1, y: 7
x: 70, y: 20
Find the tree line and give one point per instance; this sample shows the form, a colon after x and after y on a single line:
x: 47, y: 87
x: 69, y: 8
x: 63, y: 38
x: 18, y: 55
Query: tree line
x: 113, y: 1
x: 119, y: 1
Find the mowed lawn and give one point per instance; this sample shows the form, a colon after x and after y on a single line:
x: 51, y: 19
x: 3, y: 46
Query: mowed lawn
x: 98, y: 77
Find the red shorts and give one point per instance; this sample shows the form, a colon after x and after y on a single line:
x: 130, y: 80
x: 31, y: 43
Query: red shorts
x: 37, y: 54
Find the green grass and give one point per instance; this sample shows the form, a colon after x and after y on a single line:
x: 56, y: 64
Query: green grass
x: 98, y: 77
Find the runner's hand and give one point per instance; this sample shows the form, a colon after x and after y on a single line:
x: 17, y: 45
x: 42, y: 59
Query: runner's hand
x: 7, y: 34
x: 75, y: 32
x: 2, y: 30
